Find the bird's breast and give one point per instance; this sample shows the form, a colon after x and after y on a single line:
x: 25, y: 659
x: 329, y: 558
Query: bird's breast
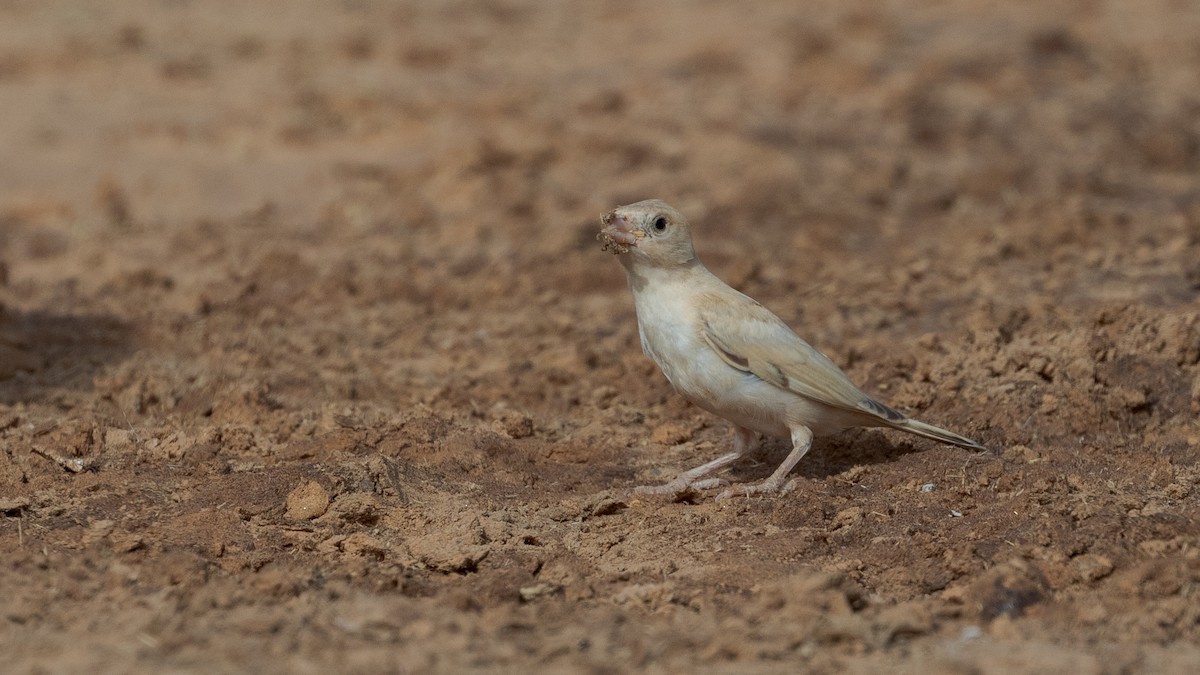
x: 671, y: 336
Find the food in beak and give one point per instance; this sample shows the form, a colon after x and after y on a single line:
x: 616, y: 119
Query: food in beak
x: 617, y: 234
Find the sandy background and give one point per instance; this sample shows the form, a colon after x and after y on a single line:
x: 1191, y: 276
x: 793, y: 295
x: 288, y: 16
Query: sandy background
x: 309, y: 361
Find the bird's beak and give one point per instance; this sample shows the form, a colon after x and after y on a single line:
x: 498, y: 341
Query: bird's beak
x: 618, y: 233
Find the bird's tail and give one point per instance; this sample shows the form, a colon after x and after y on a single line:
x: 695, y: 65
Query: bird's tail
x: 936, y: 433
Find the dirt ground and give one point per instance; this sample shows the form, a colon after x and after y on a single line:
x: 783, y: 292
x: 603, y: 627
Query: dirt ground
x: 310, y: 362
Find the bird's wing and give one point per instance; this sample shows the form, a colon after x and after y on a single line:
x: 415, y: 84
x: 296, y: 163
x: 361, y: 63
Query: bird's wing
x: 747, y: 336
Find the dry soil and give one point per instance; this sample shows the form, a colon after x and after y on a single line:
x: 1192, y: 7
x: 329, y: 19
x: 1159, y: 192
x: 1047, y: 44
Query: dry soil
x: 309, y: 360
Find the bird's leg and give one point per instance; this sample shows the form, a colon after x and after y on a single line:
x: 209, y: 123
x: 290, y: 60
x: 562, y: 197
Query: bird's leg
x: 802, y: 438
x: 692, y: 478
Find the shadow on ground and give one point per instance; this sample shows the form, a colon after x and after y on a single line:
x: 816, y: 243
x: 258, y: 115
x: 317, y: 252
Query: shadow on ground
x: 42, y: 352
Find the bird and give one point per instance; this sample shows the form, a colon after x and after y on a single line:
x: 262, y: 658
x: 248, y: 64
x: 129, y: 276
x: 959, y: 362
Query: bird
x: 730, y: 355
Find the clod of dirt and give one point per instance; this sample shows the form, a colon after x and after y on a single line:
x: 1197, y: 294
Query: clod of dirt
x: 670, y: 433
x: 98, y: 530
x: 1008, y: 590
x: 307, y: 501
x: 13, y: 504
x: 355, y: 507
x: 448, y: 556
x: 1091, y: 567
x: 653, y: 596
x: 513, y: 424
x: 363, y: 544
x: 539, y: 590
x: 847, y: 517
x: 605, y: 504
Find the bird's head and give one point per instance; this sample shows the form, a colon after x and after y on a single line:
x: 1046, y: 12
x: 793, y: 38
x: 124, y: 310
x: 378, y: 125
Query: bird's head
x: 649, y: 232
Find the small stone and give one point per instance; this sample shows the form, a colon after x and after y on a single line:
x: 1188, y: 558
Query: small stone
x: 307, y: 501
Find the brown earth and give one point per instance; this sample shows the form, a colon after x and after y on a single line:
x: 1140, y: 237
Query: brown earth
x: 309, y: 361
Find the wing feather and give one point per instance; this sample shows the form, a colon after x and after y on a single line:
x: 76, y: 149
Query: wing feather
x: 750, y: 338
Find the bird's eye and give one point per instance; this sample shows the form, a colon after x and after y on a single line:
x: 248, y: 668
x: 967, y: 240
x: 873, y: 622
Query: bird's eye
x: 660, y: 224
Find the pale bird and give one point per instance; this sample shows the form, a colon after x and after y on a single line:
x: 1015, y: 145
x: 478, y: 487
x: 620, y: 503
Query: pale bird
x: 731, y: 356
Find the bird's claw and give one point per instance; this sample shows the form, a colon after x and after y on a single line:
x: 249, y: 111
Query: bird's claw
x: 681, y: 486
x: 766, y: 487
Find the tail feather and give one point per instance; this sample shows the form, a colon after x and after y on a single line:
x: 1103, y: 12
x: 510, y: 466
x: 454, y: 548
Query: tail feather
x: 936, y: 433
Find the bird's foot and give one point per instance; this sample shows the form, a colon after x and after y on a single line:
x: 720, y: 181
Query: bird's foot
x: 692, y: 480
x: 682, y: 485
x: 766, y: 487
x: 778, y: 482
